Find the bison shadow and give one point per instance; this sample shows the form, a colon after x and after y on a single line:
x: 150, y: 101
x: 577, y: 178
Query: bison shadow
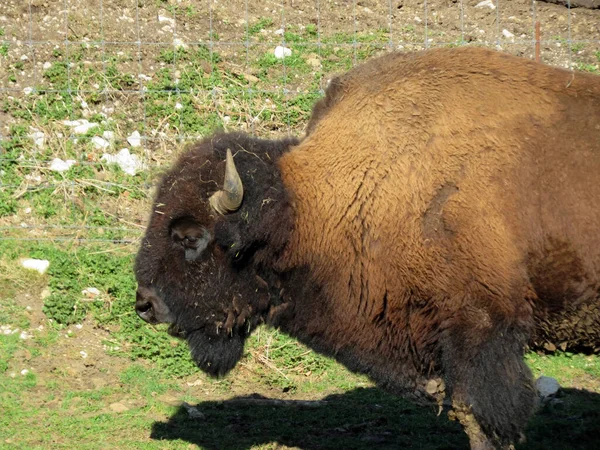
x: 367, y: 418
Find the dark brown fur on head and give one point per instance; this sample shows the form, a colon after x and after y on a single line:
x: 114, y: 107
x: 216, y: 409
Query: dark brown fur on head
x: 198, y: 262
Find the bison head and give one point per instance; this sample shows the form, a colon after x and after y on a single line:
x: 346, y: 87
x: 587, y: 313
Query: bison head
x: 219, y: 215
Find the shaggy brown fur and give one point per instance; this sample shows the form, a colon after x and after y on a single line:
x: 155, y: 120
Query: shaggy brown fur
x: 441, y: 203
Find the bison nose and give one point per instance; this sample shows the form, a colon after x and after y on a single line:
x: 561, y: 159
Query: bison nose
x: 151, y: 308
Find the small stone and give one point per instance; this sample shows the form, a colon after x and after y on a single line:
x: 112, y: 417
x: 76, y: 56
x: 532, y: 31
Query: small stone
x: 24, y: 57
x: 40, y: 265
x: 165, y: 19
x: 279, y: 32
x: 91, y: 292
x: 130, y: 164
x: 109, y: 136
x: 178, y: 106
x: 47, y: 65
x: 100, y: 143
x: 282, y: 52
x: 27, y: 90
x: 24, y: 335
x: 178, y: 43
x: 547, y: 386
x: 58, y: 165
x: 134, y: 139
x: 507, y: 34
x: 83, y: 354
x: 80, y: 126
x: 39, y: 138
x: 486, y: 4
x: 24, y: 372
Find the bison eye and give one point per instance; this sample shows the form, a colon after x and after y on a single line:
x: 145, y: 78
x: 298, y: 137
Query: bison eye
x: 189, y: 235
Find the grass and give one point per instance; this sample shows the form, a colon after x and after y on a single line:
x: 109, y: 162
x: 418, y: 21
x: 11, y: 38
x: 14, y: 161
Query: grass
x: 127, y: 391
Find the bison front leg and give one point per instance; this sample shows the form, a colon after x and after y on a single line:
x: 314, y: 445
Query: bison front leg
x: 491, y: 386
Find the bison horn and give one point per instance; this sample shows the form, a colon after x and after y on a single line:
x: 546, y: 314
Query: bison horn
x: 230, y: 197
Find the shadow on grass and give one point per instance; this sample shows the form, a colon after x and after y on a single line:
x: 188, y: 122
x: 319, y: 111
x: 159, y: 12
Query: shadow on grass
x: 367, y: 419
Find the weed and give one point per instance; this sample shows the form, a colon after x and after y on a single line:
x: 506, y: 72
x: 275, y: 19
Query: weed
x: 4, y: 50
x: 311, y: 30
x: 262, y: 24
x: 592, y: 68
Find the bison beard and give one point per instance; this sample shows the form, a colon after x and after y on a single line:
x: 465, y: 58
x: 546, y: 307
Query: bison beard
x: 215, y: 355
x: 417, y: 232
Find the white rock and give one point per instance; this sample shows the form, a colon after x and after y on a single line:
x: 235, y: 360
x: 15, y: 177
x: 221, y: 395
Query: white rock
x: 178, y: 106
x: 279, y: 32
x: 79, y: 326
x: 84, y: 104
x: 91, y: 292
x: 226, y: 120
x: 134, y: 139
x: 418, y: 19
x: 83, y: 354
x: 130, y: 164
x: 100, y: 143
x: 24, y: 57
x: 27, y: 210
x: 41, y: 265
x: 546, y: 386
x: 282, y: 52
x: 486, y: 3
x: 178, y: 43
x: 47, y: 65
x: 507, y: 34
x: 27, y: 90
x: 165, y: 19
x: 80, y: 126
x: 24, y: 335
x: 24, y: 372
x: 109, y: 135
x: 39, y: 138
x: 58, y: 165
x: 141, y: 76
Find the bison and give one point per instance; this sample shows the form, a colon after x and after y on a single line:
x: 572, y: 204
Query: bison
x: 441, y: 212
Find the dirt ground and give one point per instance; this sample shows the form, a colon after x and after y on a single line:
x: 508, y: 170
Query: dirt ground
x: 36, y: 28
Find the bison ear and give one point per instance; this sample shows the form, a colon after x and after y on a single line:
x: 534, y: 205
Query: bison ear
x: 189, y: 235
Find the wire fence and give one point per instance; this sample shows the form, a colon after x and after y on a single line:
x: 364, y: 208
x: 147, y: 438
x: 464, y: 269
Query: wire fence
x: 86, y: 86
